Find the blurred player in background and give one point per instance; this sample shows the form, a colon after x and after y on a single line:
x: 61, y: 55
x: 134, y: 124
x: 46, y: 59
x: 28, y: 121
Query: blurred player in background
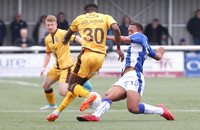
x: 92, y: 27
x: 131, y: 84
x: 63, y: 65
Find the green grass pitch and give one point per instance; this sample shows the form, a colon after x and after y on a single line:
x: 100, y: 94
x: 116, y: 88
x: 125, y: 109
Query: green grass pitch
x: 20, y: 100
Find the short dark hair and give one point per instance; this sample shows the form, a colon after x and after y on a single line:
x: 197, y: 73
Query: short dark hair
x: 155, y: 20
x: 91, y: 7
x: 60, y: 13
x: 138, y: 25
x: 197, y: 11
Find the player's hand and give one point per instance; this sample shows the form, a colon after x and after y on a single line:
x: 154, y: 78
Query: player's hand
x: 64, y: 42
x: 42, y: 71
x: 161, y: 50
x: 121, y: 55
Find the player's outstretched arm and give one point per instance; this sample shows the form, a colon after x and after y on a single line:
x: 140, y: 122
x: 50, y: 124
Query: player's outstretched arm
x: 159, y: 53
x: 117, y: 35
x: 47, y: 58
x: 126, y: 39
x: 67, y: 37
x: 110, y: 38
x: 123, y: 39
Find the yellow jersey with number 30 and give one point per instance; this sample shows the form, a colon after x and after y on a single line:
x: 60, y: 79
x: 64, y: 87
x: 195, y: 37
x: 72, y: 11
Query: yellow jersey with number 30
x: 93, y: 30
x: 60, y: 51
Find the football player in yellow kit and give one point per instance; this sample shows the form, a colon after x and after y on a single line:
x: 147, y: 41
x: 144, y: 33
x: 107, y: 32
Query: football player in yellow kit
x: 63, y: 63
x: 92, y: 27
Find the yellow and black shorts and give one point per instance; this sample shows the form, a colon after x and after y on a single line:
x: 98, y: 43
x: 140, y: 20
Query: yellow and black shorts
x: 60, y: 74
x: 88, y: 63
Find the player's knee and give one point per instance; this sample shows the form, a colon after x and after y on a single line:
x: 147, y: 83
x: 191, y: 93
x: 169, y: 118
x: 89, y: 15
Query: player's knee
x: 62, y: 93
x: 45, y: 86
x: 107, y: 96
x: 133, y: 109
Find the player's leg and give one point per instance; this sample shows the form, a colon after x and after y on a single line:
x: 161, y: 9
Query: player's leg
x: 82, y: 70
x: 87, y: 62
x: 76, y: 89
x: 115, y: 93
x: 135, y: 88
x: 92, y: 66
x: 74, y: 80
x: 87, y: 65
x: 133, y: 99
x: 87, y: 85
x: 49, y: 93
x: 64, y: 81
x: 52, y: 76
x: 63, y: 88
x: 69, y: 95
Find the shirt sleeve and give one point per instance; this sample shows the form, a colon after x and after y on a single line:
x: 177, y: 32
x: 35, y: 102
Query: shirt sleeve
x: 48, y: 50
x: 110, y: 21
x: 152, y: 53
x: 74, y: 26
x: 136, y: 38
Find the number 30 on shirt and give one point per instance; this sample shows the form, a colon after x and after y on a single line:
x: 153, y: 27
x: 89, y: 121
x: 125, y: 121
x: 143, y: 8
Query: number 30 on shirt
x: 98, y: 32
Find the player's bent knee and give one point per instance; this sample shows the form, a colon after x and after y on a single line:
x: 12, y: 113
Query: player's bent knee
x: 108, y: 96
x: 134, y: 110
x: 45, y: 86
x: 62, y: 93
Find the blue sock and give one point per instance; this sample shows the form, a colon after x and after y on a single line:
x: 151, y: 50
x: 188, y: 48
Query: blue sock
x: 107, y: 100
x: 88, y: 86
x: 53, y: 104
x: 141, y: 108
x: 149, y: 109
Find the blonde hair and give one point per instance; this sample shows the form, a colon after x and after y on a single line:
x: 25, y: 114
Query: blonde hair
x: 51, y: 18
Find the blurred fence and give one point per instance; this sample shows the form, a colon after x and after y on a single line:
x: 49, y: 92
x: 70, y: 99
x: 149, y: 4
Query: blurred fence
x: 179, y: 61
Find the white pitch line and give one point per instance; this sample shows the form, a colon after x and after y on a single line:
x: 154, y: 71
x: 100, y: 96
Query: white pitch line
x: 38, y: 111
x: 20, y: 83
x: 184, y: 110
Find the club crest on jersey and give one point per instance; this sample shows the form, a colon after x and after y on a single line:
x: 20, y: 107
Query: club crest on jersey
x: 57, y: 39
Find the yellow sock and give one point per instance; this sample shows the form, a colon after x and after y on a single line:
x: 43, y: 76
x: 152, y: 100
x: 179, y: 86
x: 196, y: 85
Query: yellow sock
x: 81, y: 92
x: 50, y: 96
x: 68, y: 99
